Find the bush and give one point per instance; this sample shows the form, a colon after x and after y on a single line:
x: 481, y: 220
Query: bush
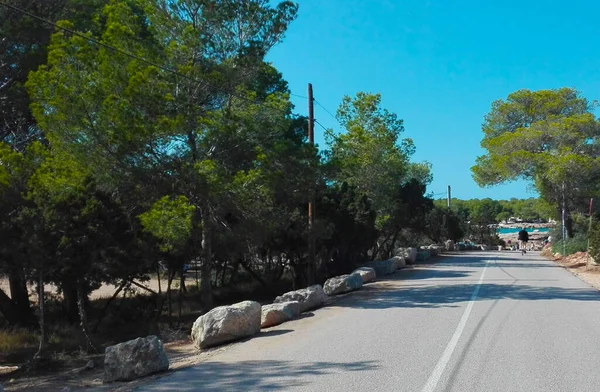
x: 572, y: 245
x: 17, y: 339
x: 595, y: 241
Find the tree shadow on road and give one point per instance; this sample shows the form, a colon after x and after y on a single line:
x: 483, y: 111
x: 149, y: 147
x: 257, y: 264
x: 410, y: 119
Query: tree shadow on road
x: 428, y: 287
x: 453, y: 295
x: 264, y: 375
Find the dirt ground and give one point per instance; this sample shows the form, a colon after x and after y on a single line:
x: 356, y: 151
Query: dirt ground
x: 579, y: 265
x: 181, y: 354
x: 105, y: 291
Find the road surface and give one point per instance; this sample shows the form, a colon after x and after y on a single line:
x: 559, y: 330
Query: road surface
x: 485, y: 321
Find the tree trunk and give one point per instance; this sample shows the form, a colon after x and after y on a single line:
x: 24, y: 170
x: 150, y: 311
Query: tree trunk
x: 13, y: 315
x: 169, y: 298
x: 569, y: 224
x: 180, y: 304
x: 159, y: 279
x: 182, y: 279
x: 393, y: 243
x: 81, y: 299
x: 126, y: 282
x: 254, y: 275
x: 206, y: 272
x: 69, y: 290
x: 42, y: 319
x: 19, y: 294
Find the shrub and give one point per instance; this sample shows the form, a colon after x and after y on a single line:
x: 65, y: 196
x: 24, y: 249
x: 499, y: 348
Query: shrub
x: 17, y: 339
x: 595, y: 241
x: 572, y: 245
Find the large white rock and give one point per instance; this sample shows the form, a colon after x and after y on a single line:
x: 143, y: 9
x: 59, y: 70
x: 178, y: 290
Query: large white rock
x: 367, y: 274
x: 409, y: 254
x: 309, y: 298
x: 400, y: 261
x: 135, y: 358
x: 342, y: 284
x: 434, y: 249
x: 227, y: 323
x: 276, y: 314
x: 384, y: 267
x: 449, y: 245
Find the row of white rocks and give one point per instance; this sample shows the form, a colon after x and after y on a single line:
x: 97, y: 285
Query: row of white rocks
x: 224, y: 324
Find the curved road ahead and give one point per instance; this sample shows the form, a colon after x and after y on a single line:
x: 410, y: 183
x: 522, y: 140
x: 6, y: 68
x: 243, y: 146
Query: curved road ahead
x: 485, y: 321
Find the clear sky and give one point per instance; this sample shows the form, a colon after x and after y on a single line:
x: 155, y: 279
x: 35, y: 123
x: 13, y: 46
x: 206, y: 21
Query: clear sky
x: 439, y: 64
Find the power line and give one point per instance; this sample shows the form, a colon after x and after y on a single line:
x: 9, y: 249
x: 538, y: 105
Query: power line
x: 320, y: 124
x: 327, y: 111
x: 299, y: 96
x: 90, y: 39
x: 166, y: 69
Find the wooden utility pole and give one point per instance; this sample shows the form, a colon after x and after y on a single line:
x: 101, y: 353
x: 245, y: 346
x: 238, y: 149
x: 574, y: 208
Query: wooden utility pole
x: 312, y: 267
x: 449, y: 197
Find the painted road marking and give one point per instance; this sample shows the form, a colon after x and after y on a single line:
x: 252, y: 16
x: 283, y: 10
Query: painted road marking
x: 443, y: 362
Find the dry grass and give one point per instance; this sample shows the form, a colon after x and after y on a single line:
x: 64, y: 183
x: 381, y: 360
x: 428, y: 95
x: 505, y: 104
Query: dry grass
x: 17, y: 339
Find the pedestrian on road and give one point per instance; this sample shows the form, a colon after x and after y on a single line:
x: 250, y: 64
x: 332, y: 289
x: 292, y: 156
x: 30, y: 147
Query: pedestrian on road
x: 523, y: 238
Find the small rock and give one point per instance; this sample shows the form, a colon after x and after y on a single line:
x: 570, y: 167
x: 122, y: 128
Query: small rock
x: 342, y: 284
x: 367, y: 274
x: 276, y: 314
x: 90, y: 365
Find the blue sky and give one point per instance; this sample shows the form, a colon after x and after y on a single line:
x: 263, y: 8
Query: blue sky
x: 439, y: 64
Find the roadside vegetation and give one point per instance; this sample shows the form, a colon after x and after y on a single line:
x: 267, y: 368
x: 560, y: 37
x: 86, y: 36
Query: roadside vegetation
x: 550, y: 138
x: 147, y: 145
x: 156, y: 150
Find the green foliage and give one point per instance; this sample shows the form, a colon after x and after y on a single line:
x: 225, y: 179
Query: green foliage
x: 170, y: 221
x: 579, y: 243
x: 196, y: 158
x: 14, y: 340
x: 370, y: 155
x: 549, y: 137
x: 594, y: 241
x: 444, y: 224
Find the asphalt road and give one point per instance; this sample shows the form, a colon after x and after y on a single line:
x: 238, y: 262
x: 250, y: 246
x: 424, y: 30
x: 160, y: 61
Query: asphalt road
x: 485, y: 321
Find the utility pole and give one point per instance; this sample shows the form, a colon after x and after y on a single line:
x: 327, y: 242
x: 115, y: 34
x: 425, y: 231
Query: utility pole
x: 312, y: 265
x: 564, y: 228
x: 589, y: 231
x: 449, y: 197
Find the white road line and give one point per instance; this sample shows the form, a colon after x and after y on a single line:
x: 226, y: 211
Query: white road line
x: 443, y: 362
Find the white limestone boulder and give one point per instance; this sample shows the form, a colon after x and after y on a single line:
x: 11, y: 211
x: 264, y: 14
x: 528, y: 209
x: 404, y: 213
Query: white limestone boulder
x: 309, y: 298
x: 134, y: 359
x: 384, y: 267
x: 367, y: 274
x: 275, y: 314
x: 400, y: 262
x: 227, y: 323
x: 342, y: 284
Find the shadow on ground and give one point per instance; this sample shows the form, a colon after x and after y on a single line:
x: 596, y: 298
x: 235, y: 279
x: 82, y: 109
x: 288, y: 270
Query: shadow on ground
x: 441, y: 286
x: 268, y: 375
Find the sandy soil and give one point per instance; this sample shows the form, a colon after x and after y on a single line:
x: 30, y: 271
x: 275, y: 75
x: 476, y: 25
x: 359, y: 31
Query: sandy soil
x: 579, y: 265
x: 103, y: 292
